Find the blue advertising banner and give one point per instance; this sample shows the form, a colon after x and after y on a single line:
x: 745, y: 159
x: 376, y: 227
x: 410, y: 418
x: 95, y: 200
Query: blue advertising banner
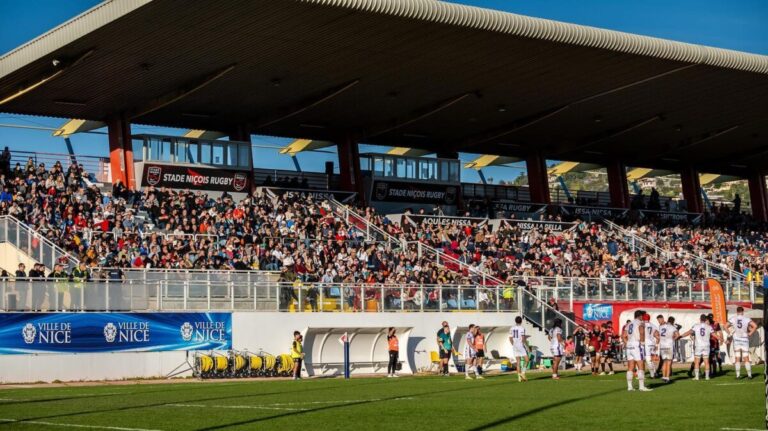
x: 595, y: 312
x: 113, y: 332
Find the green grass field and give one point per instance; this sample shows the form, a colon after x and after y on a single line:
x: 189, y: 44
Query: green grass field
x: 408, y: 403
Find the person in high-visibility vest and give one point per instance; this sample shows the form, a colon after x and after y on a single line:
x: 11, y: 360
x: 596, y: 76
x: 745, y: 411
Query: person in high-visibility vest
x: 394, y: 352
x: 297, y: 354
x: 479, y: 352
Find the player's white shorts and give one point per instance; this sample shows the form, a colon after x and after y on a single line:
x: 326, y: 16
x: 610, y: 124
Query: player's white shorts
x: 519, y: 351
x: 667, y: 353
x: 635, y: 353
x: 651, y: 350
x: 469, y: 353
x: 556, y: 350
x: 701, y: 351
x: 741, y: 344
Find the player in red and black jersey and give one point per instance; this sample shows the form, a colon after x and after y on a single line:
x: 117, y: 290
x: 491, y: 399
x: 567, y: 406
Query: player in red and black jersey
x: 607, y: 348
x: 595, y: 341
x: 714, y: 346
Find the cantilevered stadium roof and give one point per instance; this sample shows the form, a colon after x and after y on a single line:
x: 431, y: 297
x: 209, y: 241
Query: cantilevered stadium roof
x: 412, y: 73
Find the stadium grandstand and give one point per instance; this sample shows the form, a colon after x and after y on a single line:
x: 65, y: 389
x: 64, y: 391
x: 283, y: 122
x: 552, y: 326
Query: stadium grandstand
x: 193, y: 233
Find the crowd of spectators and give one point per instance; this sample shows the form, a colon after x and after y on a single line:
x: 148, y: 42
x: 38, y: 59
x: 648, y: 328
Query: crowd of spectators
x: 307, y: 241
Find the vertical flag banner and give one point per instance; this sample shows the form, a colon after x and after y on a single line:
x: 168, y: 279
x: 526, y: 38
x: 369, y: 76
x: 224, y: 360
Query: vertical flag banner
x: 717, y: 297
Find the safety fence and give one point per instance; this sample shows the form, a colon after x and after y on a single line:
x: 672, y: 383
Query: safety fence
x: 638, y: 243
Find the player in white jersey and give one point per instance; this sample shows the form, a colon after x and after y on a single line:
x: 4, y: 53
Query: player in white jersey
x: 469, y: 352
x: 556, y: 341
x: 651, y: 345
x: 741, y: 328
x: 668, y: 333
x: 519, y: 342
x: 633, y: 336
x: 701, y: 333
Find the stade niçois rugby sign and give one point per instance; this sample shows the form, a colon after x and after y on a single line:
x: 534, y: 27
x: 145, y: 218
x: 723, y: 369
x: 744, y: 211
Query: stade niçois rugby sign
x: 196, y: 178
x: 113, y: 332
x: 402, y: 191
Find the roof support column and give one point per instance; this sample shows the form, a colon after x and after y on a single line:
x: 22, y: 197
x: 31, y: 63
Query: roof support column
x: 240, y: 133
x: 121, y: 151
x: 538, y: 182
x: 617, y: 184
x: 116, y: 153
x: 349, y: 164
x: 758, y: 195
x: 689, y: 177
x: 130, y: 174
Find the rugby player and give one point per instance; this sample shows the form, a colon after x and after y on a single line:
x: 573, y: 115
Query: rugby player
x: 633, y: 336
x: 741, y: 329
x: 651, y: 345
x: 556, y: 346
x: 701, y: 332
x: 469, y: 352
x: 667, y: 335
x: 519, y: 342
x: 714, y: 346
x: 595, y: 341
x: 607, y: 349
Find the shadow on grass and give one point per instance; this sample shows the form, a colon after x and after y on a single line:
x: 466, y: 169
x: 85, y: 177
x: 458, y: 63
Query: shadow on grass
x: 239, y: 395
x: 540, y: 409
x: 361, y: 402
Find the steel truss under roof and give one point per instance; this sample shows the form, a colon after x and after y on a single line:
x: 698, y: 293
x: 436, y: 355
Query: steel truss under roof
x: 411, y: 73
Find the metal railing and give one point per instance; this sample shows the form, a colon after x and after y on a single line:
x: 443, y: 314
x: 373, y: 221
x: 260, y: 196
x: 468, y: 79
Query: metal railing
x: 542, y: 316
x: 638, y: 243
x: 156, y: 291
x: 34, y: 244
x: 98, y: 166
x: 568, y: 290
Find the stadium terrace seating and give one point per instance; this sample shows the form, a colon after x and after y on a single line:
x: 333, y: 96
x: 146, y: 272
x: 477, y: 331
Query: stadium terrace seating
x: 305, y: 240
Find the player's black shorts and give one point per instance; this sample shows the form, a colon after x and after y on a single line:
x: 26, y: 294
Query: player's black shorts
x: 592, y: 353
x: 581, y: 351
x: 607, y: 354
x: 480, y: 354
x: 444, y: 354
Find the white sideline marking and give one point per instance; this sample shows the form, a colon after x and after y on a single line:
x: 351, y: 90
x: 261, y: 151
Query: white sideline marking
x: 22, y: 421
x: 338, y: 401
x: 740, y: 429
x: 204, y: 406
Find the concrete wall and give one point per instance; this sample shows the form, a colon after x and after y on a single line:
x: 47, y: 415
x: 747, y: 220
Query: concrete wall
x: 272, y: 332
x: 11, y: 257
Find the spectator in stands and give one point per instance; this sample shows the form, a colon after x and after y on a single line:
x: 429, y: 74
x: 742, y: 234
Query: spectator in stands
x: 5, y: 162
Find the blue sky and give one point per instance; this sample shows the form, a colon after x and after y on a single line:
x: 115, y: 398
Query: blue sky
x: 732, y: 24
